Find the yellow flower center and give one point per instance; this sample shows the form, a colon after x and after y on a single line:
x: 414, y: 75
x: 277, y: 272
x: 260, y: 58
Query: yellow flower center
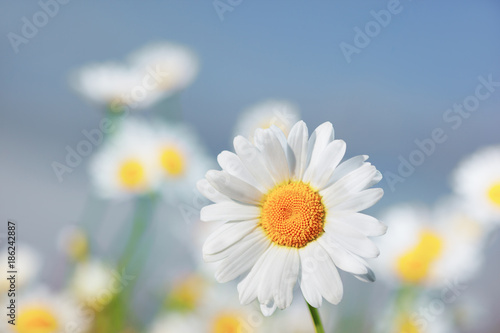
x: 78, y: 246
x: 414, y: 265
x: 132, y: 174
x: 293, y: 214
x: 36, y: 320
x: 406, y: 325
x: 187, y: 293
x: 227, y: 323
x: 494, y: 193
x: 172, y: 161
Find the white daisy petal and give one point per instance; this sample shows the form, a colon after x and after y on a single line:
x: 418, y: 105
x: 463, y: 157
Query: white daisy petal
x: 253, y: 161
x: 209, y: 192
x: 319, y: 277
x: 298, y: 143
x: 228, y: 234
x: 355, y: 181
x: 231, y: 163
x: 268, y: 308
x: 248, y: 288
x: 342, y: 258
x: 229, y: 211
x: 242, y: 257
x: 320, y: 172
x: 233, y: 187
x: 318, y: 141
x: 355, y: 202
x: 347, y: 166
x: 352, y: 240
x: 273, y: 153
x: 365, y: 224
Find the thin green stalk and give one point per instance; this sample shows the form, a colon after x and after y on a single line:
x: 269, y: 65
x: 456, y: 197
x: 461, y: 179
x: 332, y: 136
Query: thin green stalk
x: 316, y: 319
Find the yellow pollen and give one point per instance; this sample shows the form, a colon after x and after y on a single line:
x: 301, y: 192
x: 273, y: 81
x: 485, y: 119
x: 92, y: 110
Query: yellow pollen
x: 132, y: 174
x: 406, y: 325
x: 78, y: 246
x: 36, y: 320
x: 227, y: 323
x: 494, y: 193
x: 186, y: 293
x: 172, y: 161
x: 414, y: 265
x: 292, y: 214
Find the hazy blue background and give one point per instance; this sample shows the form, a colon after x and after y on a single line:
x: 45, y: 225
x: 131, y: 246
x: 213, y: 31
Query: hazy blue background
x: 395, y: 91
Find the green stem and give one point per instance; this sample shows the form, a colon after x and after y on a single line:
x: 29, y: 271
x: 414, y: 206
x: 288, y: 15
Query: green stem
x: 316, y: 319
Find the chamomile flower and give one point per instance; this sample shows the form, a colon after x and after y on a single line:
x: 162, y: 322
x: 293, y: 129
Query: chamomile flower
x: 172, y: 66
x: 181, y: 160
x: 280, y: 113
x: 176, y: 322
x: 94, y: 283
x: 73, y: 242
x: 292, y: 213
x: 477, y: 180
x: 43, y: 311
x: 112, y: 85
x: 424, y: 250
x: 126, y: 164
x: 27, y: 261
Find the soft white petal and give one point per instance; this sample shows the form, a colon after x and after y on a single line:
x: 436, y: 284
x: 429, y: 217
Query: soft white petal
x: 342, y: 258
x: 355, y: 181
x: 318, y: 141
x: 253, y: 161
x: 347, y: 166
x: 365, y: 224
x: 273, y: 153
x: 354, y: 202
x: 229, y: 211
x: 268, y: 308
x: 232, y: 164
x: 228, y: 234
x: 352, y: 240
x: 234, y: 187
x: 320, y: 277
x: 209, y: 192
x: 297, y: 139
x: 248, y: 288
x: 319, y: 172
x: 242, y: 257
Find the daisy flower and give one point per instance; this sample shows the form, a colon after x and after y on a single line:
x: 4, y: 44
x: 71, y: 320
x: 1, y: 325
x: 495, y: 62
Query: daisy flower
x: 112, y: 84
x: 181, y: 160
x: 477, y: 180
x: 176, y: 322
x: 292, y: 213
x: 280, y: 113
x: 126, y: 164
x: 187, y: 293
x: 73, y: 242
x: 94, y: 283
x: 422, y: 249
x: 172, y: 66
x: 27, y: 261
x: 43, y: 311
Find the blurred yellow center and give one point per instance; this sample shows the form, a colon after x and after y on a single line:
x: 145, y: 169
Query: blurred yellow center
x: 494, y: 193
x: 406, y: 325
x: 227, y: 323
x: 187, y: 293
x: 132, y: 173
x: 36, y: 320
x: 414, y: 265
x: 172, y: 161
x: 78, y: 246
x: 292, y: 214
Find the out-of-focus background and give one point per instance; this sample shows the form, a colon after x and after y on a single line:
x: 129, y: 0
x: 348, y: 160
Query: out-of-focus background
x: 382, y: 93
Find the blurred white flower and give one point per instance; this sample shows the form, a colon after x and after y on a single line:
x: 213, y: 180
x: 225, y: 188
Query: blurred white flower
x: 280, y: 113
x: 477, y: 180
x: 27, y: 263
x: 429, y: 249
x: 73, y: 242
x: 181, y: 160
x: 173, y: 66
x: 43, y: 311
x: 113, y: 85
x: 176, y: 322
x: 94, y: 283
x: 126, y: 164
